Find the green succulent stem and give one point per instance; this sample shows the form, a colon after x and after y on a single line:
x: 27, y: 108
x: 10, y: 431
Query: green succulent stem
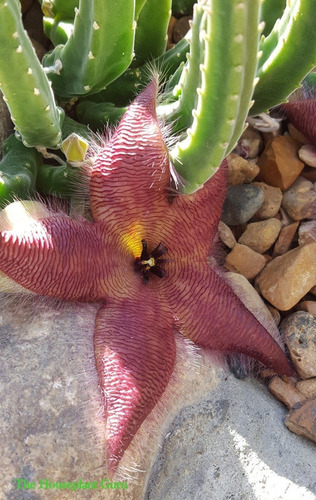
x: 126, y: 87
x: 229, y: 45
x: 185, y: 90
x: 271, y: 10
x: 18, y: 170
x: 288, y: 54
x: 99, y: 50
x: 24, y: 84
x: 151, y: 32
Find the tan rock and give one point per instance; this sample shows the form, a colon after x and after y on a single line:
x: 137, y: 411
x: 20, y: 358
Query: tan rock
x: 245, y: 261
x: 279, y: 163
x: 297, y: 135
x: 285, y: 239
x: 261, y: 235
x: 284, y: 217
x: 251, y: 141
x: 307, y: 154
x: 286, y: 279
x: 240, y: 171
x: 307, y: 387
x: 285, y: 392
x: 308, y: 306
x: 307, y: 232
x: 226, y: 235
x: 299, y: 333
x: 302, y: 419
x: 272, y: 201
x: 300, y: 199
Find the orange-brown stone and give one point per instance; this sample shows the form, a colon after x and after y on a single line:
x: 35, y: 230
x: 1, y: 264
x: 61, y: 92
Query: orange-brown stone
x: 285, y: 239
x: 245, y: 261
x: 279, y: 163
x: 285, y: 392
x: 240, y: 171
x: 307, y: 387
x: 302, y: 419
x: 287, y: 278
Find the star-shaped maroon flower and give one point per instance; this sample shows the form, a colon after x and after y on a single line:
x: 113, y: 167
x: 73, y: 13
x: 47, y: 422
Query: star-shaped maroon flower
x: 144, y: 258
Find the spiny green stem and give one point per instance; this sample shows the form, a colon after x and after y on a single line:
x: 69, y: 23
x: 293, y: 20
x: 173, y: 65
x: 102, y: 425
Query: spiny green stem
x: 18, y: 170
x: 227, y: 77
x: 24, y: 84
x: 288, y: 54
x: 133, y: 80
x: 151, y: 32
x: 87, y: 63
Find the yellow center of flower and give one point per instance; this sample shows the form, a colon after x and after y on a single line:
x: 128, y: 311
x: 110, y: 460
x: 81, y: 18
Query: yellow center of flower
x: 132, y: 239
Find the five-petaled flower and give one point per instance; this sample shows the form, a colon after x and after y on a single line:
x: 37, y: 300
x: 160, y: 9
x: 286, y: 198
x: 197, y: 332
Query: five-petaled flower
x: 145, y: 259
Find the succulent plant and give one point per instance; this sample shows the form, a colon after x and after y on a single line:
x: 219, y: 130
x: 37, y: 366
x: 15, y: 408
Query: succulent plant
x: 103, y: 57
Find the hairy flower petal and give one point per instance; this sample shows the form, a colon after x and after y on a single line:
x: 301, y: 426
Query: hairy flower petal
x: 212, y: 316
x: 130, y: 176
x: 135, y: 354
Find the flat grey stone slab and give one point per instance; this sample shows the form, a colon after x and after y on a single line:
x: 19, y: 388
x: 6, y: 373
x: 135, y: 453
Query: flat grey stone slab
x: 227, y: 442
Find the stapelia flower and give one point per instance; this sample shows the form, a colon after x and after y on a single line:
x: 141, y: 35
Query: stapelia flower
x: 144, y: 258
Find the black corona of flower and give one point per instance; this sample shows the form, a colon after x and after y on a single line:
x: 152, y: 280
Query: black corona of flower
x: 151, y: 262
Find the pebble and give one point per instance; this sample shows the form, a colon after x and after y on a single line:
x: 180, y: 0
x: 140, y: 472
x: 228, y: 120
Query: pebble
x: 279, y: 163
x: 307, y: 154
x: 245, y: 261
x: 272, y: 201
x: 307, y: 232
x: 260, y: 236
x: 251, y: 142
x: 240, y: 171
x: 307, y: 387
x: 241, y: 203
x: 225, y: 234
x: 308, y: 306
x: 299, y: 331
x: 302, y: 419
x: 284, y: 241
x: 285, y: 391
x: 300, y: 200
x: 287, y: 278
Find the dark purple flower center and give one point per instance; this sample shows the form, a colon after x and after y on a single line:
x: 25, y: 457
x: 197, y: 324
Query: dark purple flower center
x: 150, y: 262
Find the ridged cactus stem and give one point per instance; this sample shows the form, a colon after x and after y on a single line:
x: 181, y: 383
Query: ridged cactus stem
x: 99, y: 50
x: 288, y: 54
x: 180, y: 111
x: 24, y: 84
x: 151, y: 32
x: 224, y: 95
